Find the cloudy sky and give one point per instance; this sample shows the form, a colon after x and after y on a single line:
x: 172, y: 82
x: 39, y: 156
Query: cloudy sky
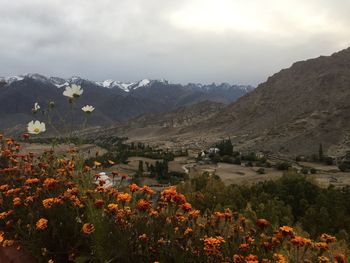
x: 236, y: 41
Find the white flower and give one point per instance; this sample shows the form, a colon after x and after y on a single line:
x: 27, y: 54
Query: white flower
x: 73, y: 91
x: 36, y: 127
x: 88, y: 108
x: 36, y: 106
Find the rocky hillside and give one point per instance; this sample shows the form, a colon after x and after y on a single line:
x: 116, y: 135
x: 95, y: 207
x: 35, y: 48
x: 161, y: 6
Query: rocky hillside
x: 294, y: 110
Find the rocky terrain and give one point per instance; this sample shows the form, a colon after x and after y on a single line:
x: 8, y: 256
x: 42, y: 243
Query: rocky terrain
x: 291, y: 113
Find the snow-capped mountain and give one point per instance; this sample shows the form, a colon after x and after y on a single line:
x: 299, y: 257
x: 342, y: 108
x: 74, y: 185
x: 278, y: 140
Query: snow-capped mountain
x: 115, y: 101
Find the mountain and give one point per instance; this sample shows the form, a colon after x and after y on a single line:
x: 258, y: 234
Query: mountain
x: 115, y: 101
x: 292, y: 113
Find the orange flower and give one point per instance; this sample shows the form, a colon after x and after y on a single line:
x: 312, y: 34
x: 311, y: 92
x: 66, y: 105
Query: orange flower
x: 194, y: 214
x: 244, y: 247
x: 41, y: 224
x: 323, y: 259
x: 279, y: 258
x: 322, y: 245
x: 212, y: 245
x: 328, y: 238
x: 286, y: 230
x: 188, y: 231
x: 300, y: 241
x: 49, y: 202
x: 123, y: 197
x: 251, y: 259
x: 262, y: 223
x: 88, y: 228
x: 110, y: 162
x: 50, y: 183
x: 147, y: 190
x: 133, y: 188
x: 112, y: 207
x: 143, y: 237
x: 17, y: 201
x: 2, y: 236
x: 143, y: 205
x: 97, y: 164
x: 238, y: 258
x: 186, y: 207
x: 32, y: 181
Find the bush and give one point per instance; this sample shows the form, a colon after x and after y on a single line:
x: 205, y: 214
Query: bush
x: 283, y: 166
x: 261, y: 171
x: 304, y: 170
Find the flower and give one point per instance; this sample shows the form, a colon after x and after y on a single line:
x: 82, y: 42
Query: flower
x: 36, y: 107
x: 73, y: 91
x: 212, y: 245
x: 41, y: 224
x: 36, y: 127
x: 143, y: 205
x: 262, y: 223
x: 88, y: 108
x: 88, y: 228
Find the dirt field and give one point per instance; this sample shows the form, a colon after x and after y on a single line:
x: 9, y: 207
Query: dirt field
x: 236, y: 174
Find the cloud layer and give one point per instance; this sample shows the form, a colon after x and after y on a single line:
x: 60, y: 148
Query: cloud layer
x: 235, y: 41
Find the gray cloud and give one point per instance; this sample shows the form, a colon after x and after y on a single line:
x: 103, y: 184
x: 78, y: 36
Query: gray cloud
x: 183, y: 41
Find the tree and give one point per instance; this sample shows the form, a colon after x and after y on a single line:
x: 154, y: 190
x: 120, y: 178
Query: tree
x: 320, y: 152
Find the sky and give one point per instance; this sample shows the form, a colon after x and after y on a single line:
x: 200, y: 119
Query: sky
x: 198, y: 41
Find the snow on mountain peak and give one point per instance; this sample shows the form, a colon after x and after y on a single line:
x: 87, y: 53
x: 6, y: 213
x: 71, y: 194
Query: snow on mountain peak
x: 143, y: 83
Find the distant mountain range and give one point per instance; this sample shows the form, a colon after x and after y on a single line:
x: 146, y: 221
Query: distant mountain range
x: 293, y: 112
x: 114, y: 101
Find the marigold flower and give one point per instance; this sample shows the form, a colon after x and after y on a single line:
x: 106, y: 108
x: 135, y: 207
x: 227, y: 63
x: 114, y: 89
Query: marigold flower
x: 17, y: 201
x: 112, y: 207
x: 133, y: 188
x: 32, y: 181
x: 238, y: 258
x: 262, y: 223
x: 88, y: 228
x: 188, y: 231
x: 323, y: 259
x: 194, y: 214
x: 41, y: 224
x: 322, y: 245
x: 328, y: 238
x: 251, y: 259
x: 143, y: 237
x: 143, y: 205
x: 244, y: 246
x: 147, y: 190
x: 50, y: 183
x: 300, y: 241
x: 280, y: 258
x: 186, y: 207
x: 49, y: 202
x: 123, y: 197
x: 212, y: 245
x: 286, y: 230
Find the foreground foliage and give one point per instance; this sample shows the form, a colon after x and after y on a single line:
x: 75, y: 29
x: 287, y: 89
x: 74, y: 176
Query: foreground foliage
x: 50, y: 207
